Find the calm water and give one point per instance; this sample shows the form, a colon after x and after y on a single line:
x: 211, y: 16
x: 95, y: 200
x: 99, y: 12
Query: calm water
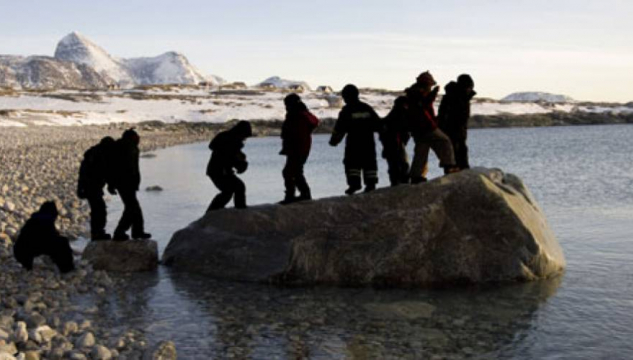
x: 582, y: 177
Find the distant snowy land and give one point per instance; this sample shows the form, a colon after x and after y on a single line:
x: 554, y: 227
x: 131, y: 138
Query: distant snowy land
x: 83, y: 84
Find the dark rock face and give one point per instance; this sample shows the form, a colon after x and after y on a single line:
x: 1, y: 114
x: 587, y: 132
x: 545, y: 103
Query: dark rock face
x: 122, y: 256
x: 477, y: 226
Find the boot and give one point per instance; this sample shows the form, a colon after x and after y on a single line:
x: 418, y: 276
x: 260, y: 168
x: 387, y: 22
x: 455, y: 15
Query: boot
x: 370, y: 188
x: 352, y: 189
x: 100, y: 236
x: 142, y: 236
x: 418, y: 180
x: 120, y: 237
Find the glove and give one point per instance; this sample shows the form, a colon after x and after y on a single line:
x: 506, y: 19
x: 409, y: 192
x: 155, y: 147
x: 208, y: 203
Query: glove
x: 241, y: 167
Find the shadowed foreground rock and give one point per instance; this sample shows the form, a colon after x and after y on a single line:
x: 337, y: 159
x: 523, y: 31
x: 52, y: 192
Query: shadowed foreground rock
x: 122, y: 256
x: 476, y: 226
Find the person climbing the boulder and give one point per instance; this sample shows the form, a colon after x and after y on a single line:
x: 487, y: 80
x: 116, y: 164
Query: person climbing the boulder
x: 453, y: 116
x: 394, y: 136
x: 422, y: 123
x: 226, y: 158
x: 296, y: 136
x: 39, y: 237
x: 94, y: 174
x: 126, y: 179
x: 358, y: 121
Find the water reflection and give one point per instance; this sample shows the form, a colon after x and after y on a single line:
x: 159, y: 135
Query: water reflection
x: 256, y: 321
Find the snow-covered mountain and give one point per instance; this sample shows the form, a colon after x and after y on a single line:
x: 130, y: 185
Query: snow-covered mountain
x: 43, y: 72
x: 537, y: 96
x: 82, y: 63
x: 280, y: 83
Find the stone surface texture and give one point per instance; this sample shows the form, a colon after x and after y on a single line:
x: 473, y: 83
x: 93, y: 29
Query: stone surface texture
x: 122, y: 256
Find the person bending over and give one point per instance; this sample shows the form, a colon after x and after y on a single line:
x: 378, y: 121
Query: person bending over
x: 226, y: 157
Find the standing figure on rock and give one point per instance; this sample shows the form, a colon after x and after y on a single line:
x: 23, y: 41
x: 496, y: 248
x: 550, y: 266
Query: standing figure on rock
x: 226, y: 156
x: 94, y: 174
x: 359, y: 122
x: 453, y: 116
x: 126, y: 179
x: 296, y: 136
x: 394, y: 136
x: 40, y: 237
x: 422, y: 123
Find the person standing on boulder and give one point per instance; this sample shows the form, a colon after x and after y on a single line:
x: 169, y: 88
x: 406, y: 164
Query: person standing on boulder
x: 296, y: 136
x: 226, y: 157
x: 394, y: 136
x: 126, y: 179
x: 453, y: 116
x: 359, y: 122
x: 39, y: 237
x: 94, y: 174
x: 422, y: 123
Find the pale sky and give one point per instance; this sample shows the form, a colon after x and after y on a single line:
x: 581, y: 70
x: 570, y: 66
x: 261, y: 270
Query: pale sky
x: 578, y: 48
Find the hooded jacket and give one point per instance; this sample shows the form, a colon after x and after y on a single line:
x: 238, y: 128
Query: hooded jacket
x: 95, y: 170
x: 126, y: 174
x: 454, y: 110
x: 359, y: 122
x: 227, y: 153
x: 296, y: 131
x: 421, y: 117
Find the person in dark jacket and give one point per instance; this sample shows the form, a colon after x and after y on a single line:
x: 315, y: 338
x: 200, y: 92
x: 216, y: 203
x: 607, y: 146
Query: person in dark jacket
x: 94, y: 174
x: 39, y: 237
x: 422, y: 123
x: 394, y: 136
x: 226, y: 157
x: 453, y: 116
x: 359, y: 122
x: 126, y: 179
x: 296, y: 136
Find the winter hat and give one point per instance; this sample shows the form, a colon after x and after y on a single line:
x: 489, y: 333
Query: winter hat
x: 350, y: 92
x: 466, y: 81
x: 244, y: 129
x: 292, y: 99
x: 426, y: 79
x: 49, y: 208
x: 131, y: 135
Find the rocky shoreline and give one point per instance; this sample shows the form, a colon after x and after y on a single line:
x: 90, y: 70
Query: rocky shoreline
x: 40, y: 312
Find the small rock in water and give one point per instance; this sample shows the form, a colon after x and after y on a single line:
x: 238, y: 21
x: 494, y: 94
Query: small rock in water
x: 154, y: 188
x: 164, y: 350
x: 148, y: 156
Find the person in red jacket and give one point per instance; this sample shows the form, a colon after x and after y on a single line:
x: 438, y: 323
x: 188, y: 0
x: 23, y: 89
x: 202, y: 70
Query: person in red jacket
x: 422, y: 123
x: 296, y: 136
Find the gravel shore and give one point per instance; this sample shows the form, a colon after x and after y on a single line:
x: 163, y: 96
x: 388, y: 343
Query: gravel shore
x: 42, y: 312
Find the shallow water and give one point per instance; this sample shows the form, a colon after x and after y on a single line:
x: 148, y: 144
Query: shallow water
x: 581, y: 176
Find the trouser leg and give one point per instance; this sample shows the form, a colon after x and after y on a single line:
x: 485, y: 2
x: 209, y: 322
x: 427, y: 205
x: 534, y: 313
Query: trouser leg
x: 404, y: 165
x: 461, y: 153
x: 239, y: 191
x: 225, y: 195
x: 420, y: 159
x: 370, y: 172
x: 442, y: 147
x: 98, y: 214
x: 394, y: 171
x: 353, y: 172
x: 132, y: 214
x: 60, y: 252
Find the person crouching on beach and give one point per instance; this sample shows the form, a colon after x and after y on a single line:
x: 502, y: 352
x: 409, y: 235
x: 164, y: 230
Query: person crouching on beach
x: 226, y: 156
x: 296, y: 136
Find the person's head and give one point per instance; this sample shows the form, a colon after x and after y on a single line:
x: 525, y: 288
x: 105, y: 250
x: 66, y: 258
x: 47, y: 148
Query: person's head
x: 292, y: 102
x: 350, y: 93
x: 243, y: 129
x: 49, y: 209
x: 131, y: 135
x: 107, y: 142
x: 466, y: 82
x: 425, y: 82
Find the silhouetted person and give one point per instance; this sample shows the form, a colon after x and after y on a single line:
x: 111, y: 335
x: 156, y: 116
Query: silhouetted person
x: 126, y: 179
x: 453, y: 116
x: 296, y: 136
x: 226, y: 157
x: 394, y: 136
x: 94, y: 174
x: 40, y: 237
x: 423, y: 126
x: 358, y: 121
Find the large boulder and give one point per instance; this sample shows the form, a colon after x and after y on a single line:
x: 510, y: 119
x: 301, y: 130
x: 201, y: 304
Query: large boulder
x: 122, y: 256
x: 476, y: 226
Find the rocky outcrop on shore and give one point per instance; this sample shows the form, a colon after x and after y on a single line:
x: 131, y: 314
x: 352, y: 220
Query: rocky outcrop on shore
x: 477, y: 226
x: 122, y: 256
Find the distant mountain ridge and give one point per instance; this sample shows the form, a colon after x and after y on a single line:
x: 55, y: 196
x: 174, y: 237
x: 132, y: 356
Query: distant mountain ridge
x: 533, y: 96
x: 280, y: 83
x: 80, y: 63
